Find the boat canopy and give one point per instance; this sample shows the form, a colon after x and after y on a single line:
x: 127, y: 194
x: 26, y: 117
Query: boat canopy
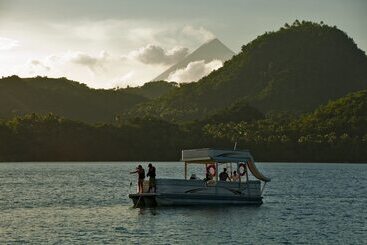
x: 206, y: 155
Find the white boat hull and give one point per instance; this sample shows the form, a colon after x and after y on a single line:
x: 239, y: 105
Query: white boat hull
x: 190, y: 200
x: 174, y: 192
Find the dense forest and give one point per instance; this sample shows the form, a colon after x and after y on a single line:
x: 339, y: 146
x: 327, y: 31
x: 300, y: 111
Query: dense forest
x: 297, y: 94
x: 336, y: 132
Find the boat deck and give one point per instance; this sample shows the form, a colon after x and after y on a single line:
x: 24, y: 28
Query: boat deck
x: 144, y: 199
x: 141, y: 200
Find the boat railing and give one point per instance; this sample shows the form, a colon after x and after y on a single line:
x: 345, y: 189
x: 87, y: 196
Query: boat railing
x: 182, y: 185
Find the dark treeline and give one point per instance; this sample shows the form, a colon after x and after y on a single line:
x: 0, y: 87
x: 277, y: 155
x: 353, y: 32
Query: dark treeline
x: 50, y: 138
x: 336, y: 132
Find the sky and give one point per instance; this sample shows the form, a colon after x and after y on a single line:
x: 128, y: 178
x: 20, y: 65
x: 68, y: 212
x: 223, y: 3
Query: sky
x: 119, y: 43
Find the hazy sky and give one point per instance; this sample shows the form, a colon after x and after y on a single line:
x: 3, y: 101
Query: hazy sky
x: 115, y: 42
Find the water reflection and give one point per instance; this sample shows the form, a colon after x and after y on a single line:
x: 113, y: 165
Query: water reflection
x: 144, y: 211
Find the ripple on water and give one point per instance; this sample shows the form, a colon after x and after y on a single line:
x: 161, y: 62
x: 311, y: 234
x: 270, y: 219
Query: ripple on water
x: 88, y: 203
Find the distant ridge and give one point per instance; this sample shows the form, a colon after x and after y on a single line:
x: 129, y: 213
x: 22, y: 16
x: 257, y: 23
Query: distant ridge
x: 211, y: 50
x: 65, y: 98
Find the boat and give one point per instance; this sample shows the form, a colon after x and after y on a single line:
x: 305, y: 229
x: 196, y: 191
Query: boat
x: 246, y: 190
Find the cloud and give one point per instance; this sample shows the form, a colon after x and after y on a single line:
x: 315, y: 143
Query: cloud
x: 97, y: 70
x: 194, y: 71
x: 37, y: 64
x: 7, y: 43
x: 153, y: 54
x: 129, y: 34
x: 155, y: 45
x: 135, y: 50
x: 90, y: 61
x: 200, y: 33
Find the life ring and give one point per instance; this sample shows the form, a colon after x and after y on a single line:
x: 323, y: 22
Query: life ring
x: 211, y: 169
x: 242, y: 169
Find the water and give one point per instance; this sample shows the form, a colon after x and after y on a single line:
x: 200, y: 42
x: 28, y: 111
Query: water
x: 83, y: 203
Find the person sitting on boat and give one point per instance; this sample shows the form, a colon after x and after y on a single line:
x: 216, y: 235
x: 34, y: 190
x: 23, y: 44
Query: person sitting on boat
x: 141, y: 176
x: 235, y: 176
x: 193, y: 176
x: 223, y: 176
x: 208, y: 176
x: 151, y: 175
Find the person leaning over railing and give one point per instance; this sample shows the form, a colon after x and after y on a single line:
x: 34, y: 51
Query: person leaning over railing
x: 223, y: 176
x: 141, y: 176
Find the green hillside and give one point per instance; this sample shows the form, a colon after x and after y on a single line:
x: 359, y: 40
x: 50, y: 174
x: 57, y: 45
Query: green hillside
x: 240, y: 111
x: 345, y: 117
x: 334, y: 132
x: 294, y: 69
x: 72, y: 100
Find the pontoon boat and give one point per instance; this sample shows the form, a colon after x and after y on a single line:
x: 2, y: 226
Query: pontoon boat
x: 211, y: 191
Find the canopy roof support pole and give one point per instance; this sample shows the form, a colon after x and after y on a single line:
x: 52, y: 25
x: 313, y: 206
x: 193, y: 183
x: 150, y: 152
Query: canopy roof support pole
x: 238, y: 172
x: 246, y: 169
x: 230, y: 169
x: 262, y: 189
x: 186, y: 170
x: 247, y: 182
x: 216, y: 177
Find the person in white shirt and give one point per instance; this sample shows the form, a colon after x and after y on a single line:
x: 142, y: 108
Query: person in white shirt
x: 235, y: 176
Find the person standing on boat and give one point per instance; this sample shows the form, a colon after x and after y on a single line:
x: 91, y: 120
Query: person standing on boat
x: 151, y: 175
x: 141, y: 176
x: 223, y: 176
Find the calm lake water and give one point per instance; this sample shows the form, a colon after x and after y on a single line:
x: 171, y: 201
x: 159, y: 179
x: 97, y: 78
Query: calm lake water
x: 84, y: 203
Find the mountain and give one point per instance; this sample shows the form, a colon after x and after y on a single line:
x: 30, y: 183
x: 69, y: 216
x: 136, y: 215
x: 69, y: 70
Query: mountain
x: 294, y: 69
x: 209, y: 51
x: 69, y: 99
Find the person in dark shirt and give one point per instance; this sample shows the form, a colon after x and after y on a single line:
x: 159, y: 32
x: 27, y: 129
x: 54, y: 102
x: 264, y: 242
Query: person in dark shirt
x: 151, y: 175
x: 223, y: 176
x: 141, y: 176
x: 193, y: 176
